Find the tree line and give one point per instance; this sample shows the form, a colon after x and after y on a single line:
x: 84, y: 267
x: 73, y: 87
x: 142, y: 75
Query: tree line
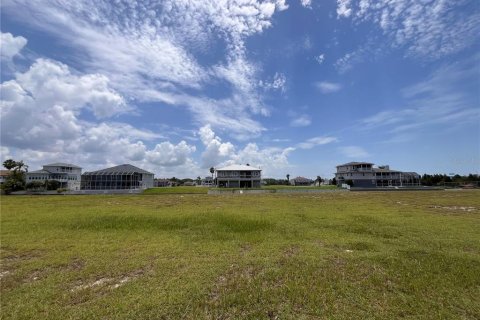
x: 439, y: 179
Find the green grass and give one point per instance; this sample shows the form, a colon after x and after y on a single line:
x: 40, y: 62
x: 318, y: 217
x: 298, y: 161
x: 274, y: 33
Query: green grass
x: 351, y: 255
x: 177, y: 190
x: 278, y: 187
x: 204, y: 190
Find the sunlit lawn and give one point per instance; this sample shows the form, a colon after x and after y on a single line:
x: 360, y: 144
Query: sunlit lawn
x: 351, y: 255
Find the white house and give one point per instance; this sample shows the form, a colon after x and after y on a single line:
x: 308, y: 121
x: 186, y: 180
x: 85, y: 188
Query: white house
x: 69, y: 175
x: 238, y: 176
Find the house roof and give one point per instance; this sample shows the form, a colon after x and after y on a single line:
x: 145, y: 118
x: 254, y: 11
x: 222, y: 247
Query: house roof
x: 411, y: 173
x: 4, y: 173
x: 238, y: 167
x: 353, y: 163
x: 40, y: 171
x: 61, y: 164
x: 121, y: 169
x: 302, y: 179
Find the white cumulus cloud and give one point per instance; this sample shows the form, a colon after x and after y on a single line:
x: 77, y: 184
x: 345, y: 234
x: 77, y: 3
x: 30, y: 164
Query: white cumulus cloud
x: 168, y: 154
x: 218, y: 153
x: 40, y: 122
x: 11, y: 45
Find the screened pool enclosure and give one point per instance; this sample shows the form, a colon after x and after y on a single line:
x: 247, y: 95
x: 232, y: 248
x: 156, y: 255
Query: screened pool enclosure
x: 124, y: 176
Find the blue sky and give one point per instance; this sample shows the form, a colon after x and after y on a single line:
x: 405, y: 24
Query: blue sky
x: 291, y: 86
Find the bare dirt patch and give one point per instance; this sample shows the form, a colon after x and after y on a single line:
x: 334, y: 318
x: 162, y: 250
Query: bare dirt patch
x: 455, y: 208
x: 291, y: 251
x: 231, y: 280
x: 110, y: 283
x: 4, y: 274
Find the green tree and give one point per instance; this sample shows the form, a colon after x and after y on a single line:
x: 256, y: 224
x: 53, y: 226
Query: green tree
x: 288, y: 178
x: 35, y: 185
x: 334, y: 181
x: 9, y: 164
x: 52, y: 184
x: 16, y: 179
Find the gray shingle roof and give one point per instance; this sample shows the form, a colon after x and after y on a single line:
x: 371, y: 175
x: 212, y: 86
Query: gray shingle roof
x: 353, y: 163
x: 61, y: 164
x: 121, y: 169
x: 302, y: 179
x: 40, y: 171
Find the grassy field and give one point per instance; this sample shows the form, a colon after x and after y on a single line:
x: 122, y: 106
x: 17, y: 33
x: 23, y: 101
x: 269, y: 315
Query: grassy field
x: 204, y: 190
x: 277, y: 187
x: 352, y: 255
x: 177, y: 190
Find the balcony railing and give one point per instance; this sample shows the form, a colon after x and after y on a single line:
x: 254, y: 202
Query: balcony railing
x: 355, y: 170
x: 241, y: 176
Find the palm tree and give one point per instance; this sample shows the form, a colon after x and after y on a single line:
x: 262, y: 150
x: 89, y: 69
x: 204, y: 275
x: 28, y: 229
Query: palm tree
x: 9, y: 164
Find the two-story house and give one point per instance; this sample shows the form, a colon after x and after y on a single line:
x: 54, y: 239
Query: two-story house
x: 69, y: 175
x: 238, y: 176
x: 365, y: 175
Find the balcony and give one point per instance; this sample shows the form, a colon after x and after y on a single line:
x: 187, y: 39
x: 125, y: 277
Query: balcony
x: 238, y: 177
x: 355, y: 170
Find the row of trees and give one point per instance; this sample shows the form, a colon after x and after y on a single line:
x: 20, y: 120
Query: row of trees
x: 439, y: 179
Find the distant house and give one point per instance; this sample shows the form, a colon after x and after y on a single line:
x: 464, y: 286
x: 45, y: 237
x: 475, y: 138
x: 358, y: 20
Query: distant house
x: 365, y: 175
x: 3, y: 175
x: 207, y: 182
x: 162, y: 183
x: 69, y: 175
x: 238, y: 176
x: 124, y: 176
x: 189, y: 183
x: 301, y: 181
